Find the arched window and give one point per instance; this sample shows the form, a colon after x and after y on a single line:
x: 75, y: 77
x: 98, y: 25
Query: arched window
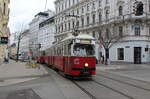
x: 120, y: 10
x: 100, y: 17
x: 107, y: 14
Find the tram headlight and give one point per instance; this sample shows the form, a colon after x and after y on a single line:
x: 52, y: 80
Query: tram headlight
x: 86, y: 65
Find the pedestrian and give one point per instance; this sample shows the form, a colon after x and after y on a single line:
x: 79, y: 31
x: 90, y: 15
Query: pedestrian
x: 6, y: 60
x: 102, y: 59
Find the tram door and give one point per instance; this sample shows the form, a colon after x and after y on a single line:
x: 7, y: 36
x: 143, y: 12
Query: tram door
x: 137, y: 55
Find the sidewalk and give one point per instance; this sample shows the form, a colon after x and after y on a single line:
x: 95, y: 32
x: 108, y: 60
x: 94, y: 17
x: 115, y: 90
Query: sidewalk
x: 121, y: 66
x: 16, y: 72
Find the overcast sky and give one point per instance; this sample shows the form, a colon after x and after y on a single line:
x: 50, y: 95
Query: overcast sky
x: 23, y: 11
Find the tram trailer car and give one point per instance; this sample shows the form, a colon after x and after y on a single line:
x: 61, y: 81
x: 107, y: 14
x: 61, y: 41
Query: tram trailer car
x: 40, y: 59
x: 73, y: 61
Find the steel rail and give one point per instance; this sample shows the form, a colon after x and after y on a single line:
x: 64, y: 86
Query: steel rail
x: 121, y: 93
x: 130, y: 84
x: 84, y: 90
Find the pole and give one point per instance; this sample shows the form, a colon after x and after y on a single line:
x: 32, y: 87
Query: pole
x: 18, y: 48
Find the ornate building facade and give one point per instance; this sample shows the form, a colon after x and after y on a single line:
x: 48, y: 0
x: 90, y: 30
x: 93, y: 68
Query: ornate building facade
x: 116, y: 21
x: 4, y: 30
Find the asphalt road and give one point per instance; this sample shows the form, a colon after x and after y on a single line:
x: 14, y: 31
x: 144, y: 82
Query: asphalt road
x: 111, y: 84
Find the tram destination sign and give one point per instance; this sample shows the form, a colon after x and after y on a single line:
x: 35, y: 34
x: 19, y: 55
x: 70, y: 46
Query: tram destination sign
x: 85, y: 41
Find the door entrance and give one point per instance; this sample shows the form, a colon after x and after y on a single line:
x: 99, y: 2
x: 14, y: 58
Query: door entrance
x: 137, y: 55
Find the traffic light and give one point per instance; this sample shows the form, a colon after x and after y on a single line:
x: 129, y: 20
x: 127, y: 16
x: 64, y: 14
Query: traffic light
x: 138, y: 9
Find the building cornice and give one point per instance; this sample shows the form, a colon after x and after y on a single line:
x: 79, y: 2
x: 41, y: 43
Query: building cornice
x: 72, y: 7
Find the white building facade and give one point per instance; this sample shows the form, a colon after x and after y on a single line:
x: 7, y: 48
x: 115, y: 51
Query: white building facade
x: 24, y: 45
x: 34, y: 31
x: 46, y: 33
x: 114, y: 19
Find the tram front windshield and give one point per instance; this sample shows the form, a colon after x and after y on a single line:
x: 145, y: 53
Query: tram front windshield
x: 83, y: 50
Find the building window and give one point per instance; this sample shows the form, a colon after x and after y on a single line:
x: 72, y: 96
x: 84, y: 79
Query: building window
x: 77, y: 24
x: 88, y: 7
x: 149, y: 30
x: 149, y: 5
x: 66, y: 4
x: 99, y: 3
x: 62, y: 28
x: 120, y: 31
x: 137, y: 29
x: 59, y: 28
x: 82, y: 21
x: 73, y: 24
x: 120, y: 10
x: 107, y: 14
x: 82, y: 9
x: 88, y: 20
x: 69, y: 26
x: 107, y: 33
x: 94, y: 34
x: 107, y: 1
x: 93, y: 18
x: 100, y: 17
x: 69, y: 3
x: 120, y: 53
x: 93, y: 5
x: 100, y: 34
x: 56, y: 29
x: 73, y: 2
x: 62, y: 7
x: 65, y: 27
x: 77, y: 11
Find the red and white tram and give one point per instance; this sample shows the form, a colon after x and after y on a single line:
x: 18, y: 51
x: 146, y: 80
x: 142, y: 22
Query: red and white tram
x: 75, y: 56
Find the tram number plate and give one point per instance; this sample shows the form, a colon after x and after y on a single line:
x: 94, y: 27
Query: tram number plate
x: 86, y: 73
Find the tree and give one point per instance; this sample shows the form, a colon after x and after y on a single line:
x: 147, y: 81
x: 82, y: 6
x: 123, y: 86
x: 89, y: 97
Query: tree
x: 107, y: 39
x: 19, y: 37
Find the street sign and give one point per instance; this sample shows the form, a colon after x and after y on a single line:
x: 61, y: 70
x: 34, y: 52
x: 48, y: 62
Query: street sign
x: 4, y: 40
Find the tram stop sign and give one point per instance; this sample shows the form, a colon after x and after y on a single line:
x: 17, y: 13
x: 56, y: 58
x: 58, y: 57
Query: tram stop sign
x: 4, y: 40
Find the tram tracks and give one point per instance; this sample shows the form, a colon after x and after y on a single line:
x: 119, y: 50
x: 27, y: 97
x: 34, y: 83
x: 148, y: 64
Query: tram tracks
x: 132, y: 88
x: 84, y: 90
x: 116, y: 87
x: 98, y: 86
x: 147, y: 88
x: 121, y: 93
x: 129, y: 88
